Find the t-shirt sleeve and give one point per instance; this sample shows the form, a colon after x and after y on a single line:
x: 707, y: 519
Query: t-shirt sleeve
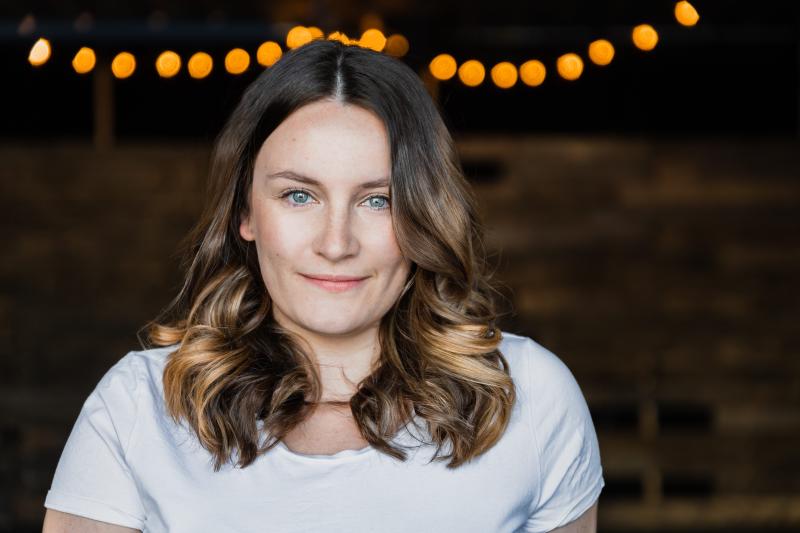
x: 93, y: 478
x: 570, y: 472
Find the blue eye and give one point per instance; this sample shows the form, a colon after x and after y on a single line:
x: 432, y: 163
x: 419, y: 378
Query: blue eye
x: 385, y: 199
x: 298, y: 197
x: 301, y: 194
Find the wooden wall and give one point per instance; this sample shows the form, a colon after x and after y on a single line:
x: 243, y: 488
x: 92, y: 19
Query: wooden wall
x: 663, y: 272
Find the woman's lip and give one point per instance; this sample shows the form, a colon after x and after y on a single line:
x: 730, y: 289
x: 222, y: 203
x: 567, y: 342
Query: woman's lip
x: 334, y: 278
x: 335, y: 286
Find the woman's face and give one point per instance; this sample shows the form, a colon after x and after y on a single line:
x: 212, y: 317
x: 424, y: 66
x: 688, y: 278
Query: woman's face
x: 319, y: 207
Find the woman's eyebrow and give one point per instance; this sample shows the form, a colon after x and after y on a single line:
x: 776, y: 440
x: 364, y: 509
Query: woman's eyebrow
x: 291, y: 175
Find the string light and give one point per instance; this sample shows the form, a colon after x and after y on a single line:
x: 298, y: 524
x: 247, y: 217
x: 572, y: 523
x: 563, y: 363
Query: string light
x: 123, y: 65
x: 601, y: 52
x: 341, y: 37
x: 40, y: 52
x: 237, y: 61
x: 471, y: 73
x: 200, y: 65
x: 570, y: 66
x: 298, y: 36
x: 686, y: 14
x: 645, y: 37
x: 268, y: 53
x: 443, y: 67
x: 168, y: 64
x: 532, y: 73
x: 373, y: 39
x: 84, y: 60
x: 504, y: 74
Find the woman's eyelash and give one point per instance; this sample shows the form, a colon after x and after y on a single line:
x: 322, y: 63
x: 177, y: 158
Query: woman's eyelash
x: 304, y: 191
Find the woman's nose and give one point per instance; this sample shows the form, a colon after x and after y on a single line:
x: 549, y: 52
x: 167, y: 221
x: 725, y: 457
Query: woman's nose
x: 336, y: 238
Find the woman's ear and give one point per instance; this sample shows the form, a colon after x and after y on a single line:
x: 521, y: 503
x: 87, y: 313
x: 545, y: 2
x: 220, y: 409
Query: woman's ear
x: 245, y: 230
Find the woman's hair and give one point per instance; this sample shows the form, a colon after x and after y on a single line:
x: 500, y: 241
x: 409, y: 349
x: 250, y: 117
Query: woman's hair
x: 234, y: 365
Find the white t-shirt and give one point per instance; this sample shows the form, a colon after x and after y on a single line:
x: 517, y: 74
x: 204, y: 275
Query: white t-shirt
x: 126, y: 462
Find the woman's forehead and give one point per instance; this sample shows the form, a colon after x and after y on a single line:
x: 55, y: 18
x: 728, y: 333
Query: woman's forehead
x: 326, y: 114
x: 325, y: 141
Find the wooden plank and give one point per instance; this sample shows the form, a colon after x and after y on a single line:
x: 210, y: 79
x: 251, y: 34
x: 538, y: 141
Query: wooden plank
x: 718, y: 512
x: 714, y: 450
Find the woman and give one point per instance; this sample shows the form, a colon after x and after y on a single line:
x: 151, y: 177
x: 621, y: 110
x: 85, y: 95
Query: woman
x: 332, y: 361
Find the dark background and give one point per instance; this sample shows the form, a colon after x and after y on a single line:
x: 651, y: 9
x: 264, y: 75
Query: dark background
x: 734, y: 74
x: 644, y: 219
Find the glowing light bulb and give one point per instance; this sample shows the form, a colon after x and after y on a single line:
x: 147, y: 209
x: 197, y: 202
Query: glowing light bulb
x: 601, y: 52
x: 686, y: 14
x: 532, y: 73
x: 471, y: 73
x: 84, y: 60
x: 298, y: 36
x: 373, y: 39
x: 645, y: 37
x: 40, y: 52
x: 341, y: 37
x: 123, y: 65
x: 570, y: 66
x: 268, y: 53
x: 237, y: 61
x: 443, y: 67
x: 504, y: 74
x: 168, y: 63
x: 200, y: 65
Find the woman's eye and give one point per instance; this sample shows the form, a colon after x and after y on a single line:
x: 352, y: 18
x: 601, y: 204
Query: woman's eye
x: 300, y: 197
x: 378, y: 204
x: 297, y: 196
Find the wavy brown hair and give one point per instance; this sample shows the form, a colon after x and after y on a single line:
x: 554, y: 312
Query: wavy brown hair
x: 233, y: 365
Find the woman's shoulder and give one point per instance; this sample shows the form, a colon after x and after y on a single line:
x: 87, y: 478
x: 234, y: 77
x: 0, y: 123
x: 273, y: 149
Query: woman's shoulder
x: 155, y: 356
x: 150, y: 362
x: 133, y: 375
x: 136, y: 361
x: 95, y: 475
x: 544, y: 380
x: 570, y: 476
x: 532, y: 361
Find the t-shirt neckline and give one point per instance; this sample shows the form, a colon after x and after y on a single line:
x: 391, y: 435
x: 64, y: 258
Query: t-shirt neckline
x: 338, y: 456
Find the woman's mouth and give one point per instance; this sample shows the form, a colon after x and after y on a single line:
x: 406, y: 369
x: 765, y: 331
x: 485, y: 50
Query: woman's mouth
x: 335, y: 283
